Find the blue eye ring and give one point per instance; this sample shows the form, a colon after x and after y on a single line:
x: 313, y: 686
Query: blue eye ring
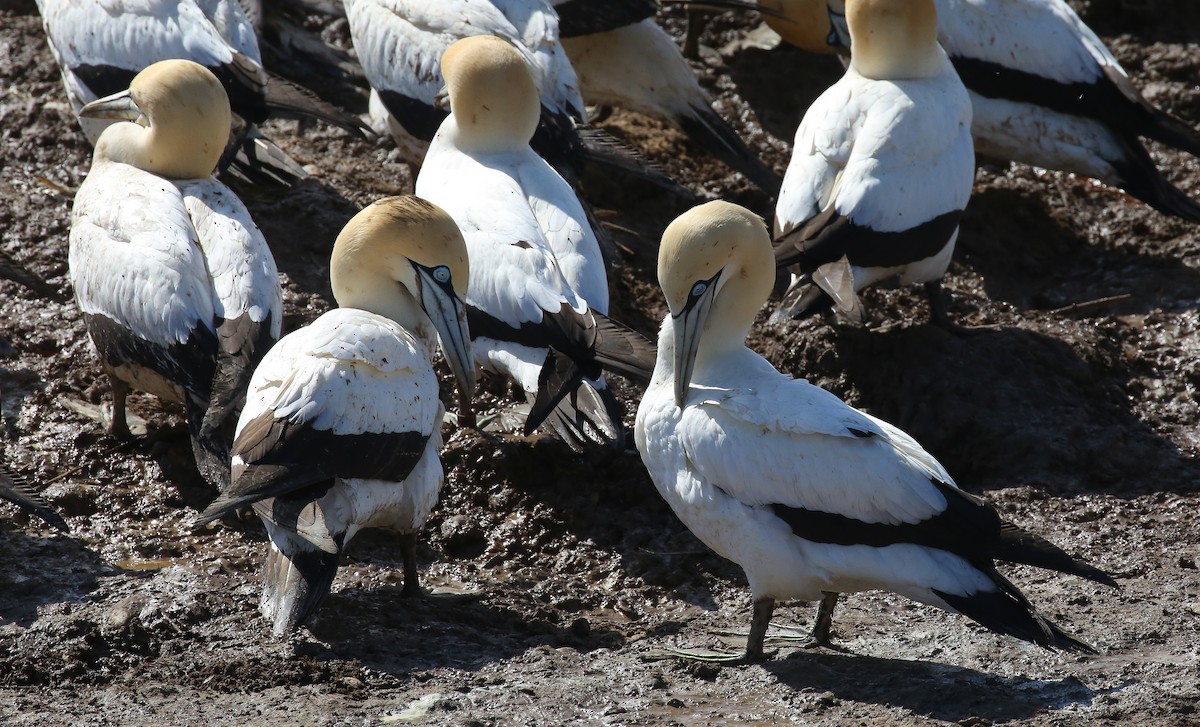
x: 441, y: 274
x: 698, y: 289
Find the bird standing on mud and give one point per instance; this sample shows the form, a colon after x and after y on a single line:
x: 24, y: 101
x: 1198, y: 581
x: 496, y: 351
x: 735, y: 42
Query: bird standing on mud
x: 882, y: 167
x: 177, y: 286
x: 342, y: 424
x: 539, y: 286
x: 100, y: 45
x: 1045, y: 89
x: 809, y: 495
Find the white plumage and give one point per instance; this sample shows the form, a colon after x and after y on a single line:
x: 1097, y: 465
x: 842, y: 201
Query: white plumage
x: 1045, y: 89
x: 342, y: 424
x: 881, y: 170
x: 178, y: 287
x: 400, y: 45
x: 538, y: 281
x: 809, y: 495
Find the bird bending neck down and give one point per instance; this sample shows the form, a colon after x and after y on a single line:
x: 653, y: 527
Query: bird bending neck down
x: 493, y: 98
x: 809, y: 495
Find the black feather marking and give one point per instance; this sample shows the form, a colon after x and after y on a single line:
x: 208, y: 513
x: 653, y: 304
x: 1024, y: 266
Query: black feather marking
x: 289, y: 100
x: 104, y: 80
x: 190, y: 364
x: 968, y: 527
x: 281, y: 457
x: 20, y: 492
x: 716, y: 136
x: 416, y: 116
x: 860, y: 433
x: 828, y: 236
x: 585, y: 17
x: 241, y: 345
x: 1113, y: 100
x: 10, y: 270
x: 294, y: 599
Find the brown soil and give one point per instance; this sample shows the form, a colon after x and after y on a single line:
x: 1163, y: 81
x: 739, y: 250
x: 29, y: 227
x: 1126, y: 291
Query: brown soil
x: 1079, y: 424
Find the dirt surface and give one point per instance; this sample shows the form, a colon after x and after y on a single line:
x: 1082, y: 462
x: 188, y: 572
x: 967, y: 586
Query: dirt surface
x: 1079, y: 423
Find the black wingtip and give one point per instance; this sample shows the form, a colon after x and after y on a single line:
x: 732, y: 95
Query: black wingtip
x: 713, y: 133
x: 1021, y: 546
x: 294, y: 585
x: 17, y: 490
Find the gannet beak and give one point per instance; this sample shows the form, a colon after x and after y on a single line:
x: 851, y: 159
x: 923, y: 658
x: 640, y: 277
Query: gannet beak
x: 689, y: 326
x: 449, y: 317
x: 119, y: 105
x: 839, y: 32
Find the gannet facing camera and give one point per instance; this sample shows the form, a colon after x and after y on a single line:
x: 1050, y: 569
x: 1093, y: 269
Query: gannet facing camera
x: 178, y: 288
x: 342, y: 424
x: 810, y: 496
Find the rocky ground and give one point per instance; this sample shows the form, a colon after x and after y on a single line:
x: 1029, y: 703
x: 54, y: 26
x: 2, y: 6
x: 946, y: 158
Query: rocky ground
x: 1075, y: 414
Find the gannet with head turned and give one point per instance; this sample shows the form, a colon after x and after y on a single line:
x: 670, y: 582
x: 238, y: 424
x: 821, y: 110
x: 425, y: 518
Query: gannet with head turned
x: 538, y: 284
x: 882, y: 166
x: 625, y: 59
x: 342, y: 424
x: 809, y: 495
x: 1046, y: 90
x: 177, y: 285
x: 100, y: 45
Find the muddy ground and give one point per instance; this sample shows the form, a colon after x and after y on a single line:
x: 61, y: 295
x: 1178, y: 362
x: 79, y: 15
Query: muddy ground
x: 1077, y: 419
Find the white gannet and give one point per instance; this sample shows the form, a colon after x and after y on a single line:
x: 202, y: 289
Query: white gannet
x: 342, y: 424
x: 538, y: 284
x: 625, y: 60
x: 177, y: 285
x: 881, y: 169
x: 400, y: 45
x: 1045, y: 89
x: 810, y: 496
x: 100, y: 45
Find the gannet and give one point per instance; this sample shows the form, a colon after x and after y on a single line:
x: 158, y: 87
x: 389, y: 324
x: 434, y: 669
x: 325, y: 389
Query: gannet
x: 100, y: 45
x: 177, y: 285
x: 400, y: 45
x: 342, y: 424
x: 807, y: 494
x: 635, y: 65
x: 881, y: 169
x: 1045, y: 89
x: 538, y: 286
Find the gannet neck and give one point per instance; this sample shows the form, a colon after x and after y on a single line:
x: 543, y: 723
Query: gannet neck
x: 186, y: 117
x: 894, y: 39
x: 493, y: 99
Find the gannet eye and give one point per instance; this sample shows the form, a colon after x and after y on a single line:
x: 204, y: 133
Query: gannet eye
x: 698, y: 289
x: 441, y: 274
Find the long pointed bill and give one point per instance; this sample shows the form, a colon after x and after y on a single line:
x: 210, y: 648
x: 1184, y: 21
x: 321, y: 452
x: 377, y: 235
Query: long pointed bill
x: 689, y: 326
x: 449, y: 317
x: 117, y: 106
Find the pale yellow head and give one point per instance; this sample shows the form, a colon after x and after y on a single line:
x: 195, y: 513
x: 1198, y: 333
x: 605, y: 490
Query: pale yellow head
x: 180, y: 121
x: 716, y: 269
x: 493, y: 98
x: 404, y: 258
x: 894, y: 39
x: 803, y: 23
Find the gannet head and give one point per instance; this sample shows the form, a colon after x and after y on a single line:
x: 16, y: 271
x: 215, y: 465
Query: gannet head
x: 803, y: 23
x: 405, y: 259
x: 493, y: 98
x: 180, y: 121
x: 716, y: 269
x: 893, y: 39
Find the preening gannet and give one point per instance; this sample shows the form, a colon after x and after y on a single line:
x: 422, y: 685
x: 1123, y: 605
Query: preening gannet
x: 342, y: 424
x: 538, y: 284
x: 809, y: 495
x: 100, y: 45
x: 177, y: 285
x: 637, y: 66
x: 1046, y: 90
x: 881, y: 169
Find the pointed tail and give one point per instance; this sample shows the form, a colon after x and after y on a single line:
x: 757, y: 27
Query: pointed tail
x: 296, y: 578
x: 716, y: 136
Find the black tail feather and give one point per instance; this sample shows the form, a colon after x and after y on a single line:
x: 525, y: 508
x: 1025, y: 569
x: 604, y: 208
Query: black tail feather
x: 1142, y: 179
x: 719, y: 138
x: 1020, y: 546
x: 294, y: 584
x: 20, y: 492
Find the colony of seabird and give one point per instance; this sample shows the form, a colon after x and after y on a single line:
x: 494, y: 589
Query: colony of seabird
x: 496, y: 263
